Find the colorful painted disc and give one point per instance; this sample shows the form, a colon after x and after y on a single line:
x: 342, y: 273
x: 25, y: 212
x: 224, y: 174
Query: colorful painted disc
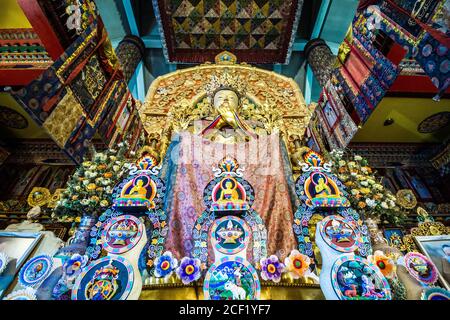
x: 230, y: 234
x: 421, y: 268
x: 24, y: 294
x: 232, y: 278
x: 121, y: 234
x: 435, y: 293
x: 355, y: 278
x: 339, y: 234
x: 35, y: 271
x: 108, y: 278
x: 3, y: 261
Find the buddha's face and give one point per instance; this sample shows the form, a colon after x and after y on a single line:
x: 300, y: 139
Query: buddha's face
x: 228, y: 185
x: 321, y: 180
x: 140, y: 183
x: 226, y: 97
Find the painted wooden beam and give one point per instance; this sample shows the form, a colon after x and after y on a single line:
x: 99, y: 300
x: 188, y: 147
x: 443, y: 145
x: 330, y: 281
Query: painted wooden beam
x: 172, y: 67
x: 41, y: 25
x: 278, y: 68
x: 18, y: 77
x: 131, y: 17
x: 308, y: 84
x: 141, y: 92
x: 317, y: 30
x: 321, y: 17
x: 152, y: 42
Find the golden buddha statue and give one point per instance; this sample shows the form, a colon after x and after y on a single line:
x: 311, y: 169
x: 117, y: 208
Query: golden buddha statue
x: 224, y: 92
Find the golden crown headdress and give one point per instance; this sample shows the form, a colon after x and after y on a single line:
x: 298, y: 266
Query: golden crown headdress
x: 225, y: 79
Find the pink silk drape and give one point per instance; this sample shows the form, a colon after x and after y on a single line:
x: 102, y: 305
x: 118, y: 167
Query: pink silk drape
x: 263, y: 167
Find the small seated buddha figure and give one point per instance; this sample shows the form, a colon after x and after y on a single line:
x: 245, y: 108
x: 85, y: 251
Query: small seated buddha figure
x: 322, y: 190
x: 229, y: 194
x: 138, y: 191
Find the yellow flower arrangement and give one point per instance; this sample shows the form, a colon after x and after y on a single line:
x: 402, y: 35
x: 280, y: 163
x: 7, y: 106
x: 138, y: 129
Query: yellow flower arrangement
x: 91, y: 186
x: 87, y: 164
x: 107, y: 175
x: 104, y: 203
x: 365, y: 189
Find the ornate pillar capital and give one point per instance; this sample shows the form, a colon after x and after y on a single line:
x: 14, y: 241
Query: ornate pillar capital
x: 130, y: 53
x: 321, y: 59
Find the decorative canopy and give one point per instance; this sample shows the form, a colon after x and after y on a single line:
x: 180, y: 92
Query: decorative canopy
x: 259, y: 31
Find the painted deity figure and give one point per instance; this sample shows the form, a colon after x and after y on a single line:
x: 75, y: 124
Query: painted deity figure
x: 322, y: 189
x: 229, y: 194
x: 138, y: 190
x: 141, y: 189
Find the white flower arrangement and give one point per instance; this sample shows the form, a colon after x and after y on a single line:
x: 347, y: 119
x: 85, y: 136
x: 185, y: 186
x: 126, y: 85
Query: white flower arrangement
x: 371, y: 203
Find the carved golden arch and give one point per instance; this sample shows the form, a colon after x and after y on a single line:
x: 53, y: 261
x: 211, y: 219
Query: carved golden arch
x: 424, y: 229
x: 170, y: 102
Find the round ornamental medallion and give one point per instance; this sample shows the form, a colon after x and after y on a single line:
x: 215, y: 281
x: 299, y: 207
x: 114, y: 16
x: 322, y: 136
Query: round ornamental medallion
x: 35, y: 271
x: 354, y: 278
x: 421, y: 268
x: 122, y: 233
x: 12, y: 119
x: 435, y: 293
x: 232, y: 278
x: 108, y: 278
x: 231, y: 234
x: 3, y: 261
x: 434, y: 122
x: 339, y: 234
x: 25, y: 294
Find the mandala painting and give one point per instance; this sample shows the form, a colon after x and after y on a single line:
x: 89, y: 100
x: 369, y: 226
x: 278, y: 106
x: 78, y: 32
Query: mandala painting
x: 231, y: 279
x: 121, y: 234
x: 108, y: 278
x: 35, y: 271
x: 354, y: 278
